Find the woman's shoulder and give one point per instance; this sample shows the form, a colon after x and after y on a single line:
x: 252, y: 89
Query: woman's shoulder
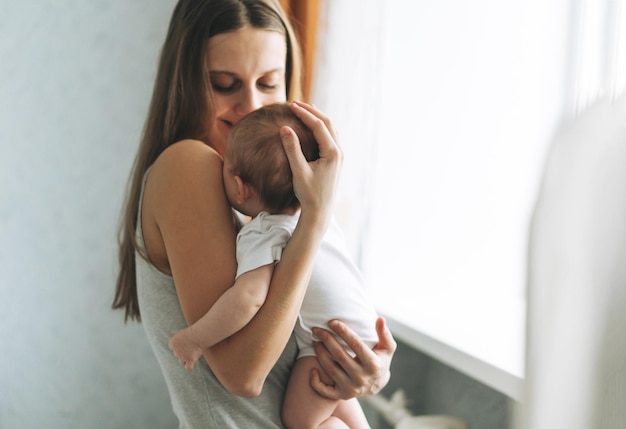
x: 185, y: 171
x: 188, y: 153
x: 187, y: 160
x: 184, y: 200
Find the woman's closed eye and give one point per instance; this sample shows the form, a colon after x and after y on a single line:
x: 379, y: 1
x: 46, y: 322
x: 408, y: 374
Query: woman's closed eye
x: 224, y: 82
x: 271, y: 81
x: 267, y: 86
x: 225, y: 88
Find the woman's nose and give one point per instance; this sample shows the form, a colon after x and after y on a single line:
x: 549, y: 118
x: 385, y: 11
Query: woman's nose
x: 249, y: 100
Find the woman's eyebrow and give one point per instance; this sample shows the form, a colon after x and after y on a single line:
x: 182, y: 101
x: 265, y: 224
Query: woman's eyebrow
x: 222, y: 72
x: 233, y: 74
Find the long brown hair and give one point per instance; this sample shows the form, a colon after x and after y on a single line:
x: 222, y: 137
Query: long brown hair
x: 182, y: 100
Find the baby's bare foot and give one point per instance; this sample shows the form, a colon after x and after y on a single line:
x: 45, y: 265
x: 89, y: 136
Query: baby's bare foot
x: 185, y: 349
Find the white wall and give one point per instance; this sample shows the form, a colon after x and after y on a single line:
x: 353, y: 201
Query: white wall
x: 75, y: 82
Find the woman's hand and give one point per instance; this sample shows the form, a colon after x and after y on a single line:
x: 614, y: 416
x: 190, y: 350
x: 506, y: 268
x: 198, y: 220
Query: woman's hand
x: 314, y: 182
x: 365, y: 374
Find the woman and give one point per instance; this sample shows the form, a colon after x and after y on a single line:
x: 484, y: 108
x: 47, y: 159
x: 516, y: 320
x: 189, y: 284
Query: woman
x: 223, y: 59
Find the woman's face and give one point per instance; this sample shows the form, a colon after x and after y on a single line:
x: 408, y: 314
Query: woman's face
x: 247, y: 71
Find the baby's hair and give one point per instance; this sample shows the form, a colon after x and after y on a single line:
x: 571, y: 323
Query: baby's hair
x: 256, y: 154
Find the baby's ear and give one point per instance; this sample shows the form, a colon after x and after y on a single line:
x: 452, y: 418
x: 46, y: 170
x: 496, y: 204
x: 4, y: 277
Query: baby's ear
x: 244, y: 190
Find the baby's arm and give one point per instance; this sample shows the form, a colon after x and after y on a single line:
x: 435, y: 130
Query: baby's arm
x: 231, y: 312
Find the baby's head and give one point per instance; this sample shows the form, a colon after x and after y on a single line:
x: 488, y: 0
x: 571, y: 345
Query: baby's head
x: 254, y: 152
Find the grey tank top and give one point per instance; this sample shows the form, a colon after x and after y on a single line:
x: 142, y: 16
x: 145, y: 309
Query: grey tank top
x: 198, y: 398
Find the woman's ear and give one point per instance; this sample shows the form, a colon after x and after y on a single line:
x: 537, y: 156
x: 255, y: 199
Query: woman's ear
x: 244, y: 190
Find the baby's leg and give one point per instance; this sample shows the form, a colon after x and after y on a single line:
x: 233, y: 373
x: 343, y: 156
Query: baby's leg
x: 351, y: 413
x: 304, y: 408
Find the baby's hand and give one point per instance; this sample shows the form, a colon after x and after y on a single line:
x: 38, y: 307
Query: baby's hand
x: 185, y: 348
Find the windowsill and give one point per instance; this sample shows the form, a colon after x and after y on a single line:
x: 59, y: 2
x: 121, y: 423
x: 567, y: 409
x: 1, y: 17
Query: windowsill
x: 481, y: 339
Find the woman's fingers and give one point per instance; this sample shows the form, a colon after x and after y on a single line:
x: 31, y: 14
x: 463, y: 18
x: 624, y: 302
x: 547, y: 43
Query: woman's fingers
x: 365, y: 357
x: 385, y: 339
x: 291, y: 144
x: 316, y: 112
x: 343, y: 387
x: 322, y: 129
x: 365, y: 374
x: 308, y: 184
x: 384, y: 351
x: 314, y: 182
x: 328, y: 391
x: 352, y: 376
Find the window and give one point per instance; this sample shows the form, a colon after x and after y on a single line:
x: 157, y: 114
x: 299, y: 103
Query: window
x: 445, y: 111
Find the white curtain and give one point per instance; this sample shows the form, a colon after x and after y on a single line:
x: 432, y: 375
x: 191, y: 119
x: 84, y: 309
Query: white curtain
x: 576, y: 354
x: 598, y: 52
x: 576, y: 351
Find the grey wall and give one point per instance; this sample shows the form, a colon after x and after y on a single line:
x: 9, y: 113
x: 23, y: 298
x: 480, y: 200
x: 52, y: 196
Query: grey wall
x: 75, y: 81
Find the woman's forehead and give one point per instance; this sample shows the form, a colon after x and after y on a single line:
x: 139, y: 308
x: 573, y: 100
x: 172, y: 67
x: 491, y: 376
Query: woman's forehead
x: 247, y: 50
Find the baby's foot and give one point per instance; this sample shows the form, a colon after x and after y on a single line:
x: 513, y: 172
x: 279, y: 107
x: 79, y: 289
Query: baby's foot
x: 185, y: 348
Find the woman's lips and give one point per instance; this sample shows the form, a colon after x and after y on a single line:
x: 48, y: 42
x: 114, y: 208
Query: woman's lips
x: 225, y: 126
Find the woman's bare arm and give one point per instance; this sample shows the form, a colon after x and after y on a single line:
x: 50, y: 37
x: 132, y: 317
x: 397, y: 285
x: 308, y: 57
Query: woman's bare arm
x: 186, y: 206
x: 230, y: 313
